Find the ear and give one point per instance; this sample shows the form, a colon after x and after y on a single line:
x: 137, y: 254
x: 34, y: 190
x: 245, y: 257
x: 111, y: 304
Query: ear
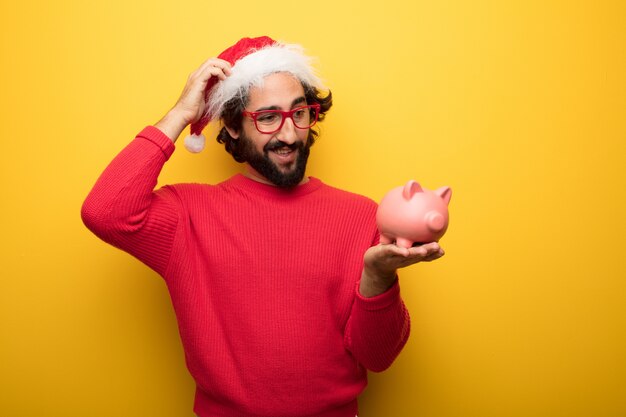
x: 445, y: 193
x: 233, y: 133
x: 410, y: 188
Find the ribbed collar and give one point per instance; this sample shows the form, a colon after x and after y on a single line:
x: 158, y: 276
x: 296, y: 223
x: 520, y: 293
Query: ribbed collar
x: 247, y: 184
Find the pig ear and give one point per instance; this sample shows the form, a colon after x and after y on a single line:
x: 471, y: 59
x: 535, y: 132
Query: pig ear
x: 445, y: 193
x: 410, y: 189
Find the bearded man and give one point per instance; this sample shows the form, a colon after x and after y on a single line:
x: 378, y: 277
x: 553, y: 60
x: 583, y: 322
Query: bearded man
x: 283, y: 294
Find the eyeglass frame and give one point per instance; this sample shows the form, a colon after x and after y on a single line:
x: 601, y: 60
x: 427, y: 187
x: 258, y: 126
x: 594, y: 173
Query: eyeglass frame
x: 284, y: 116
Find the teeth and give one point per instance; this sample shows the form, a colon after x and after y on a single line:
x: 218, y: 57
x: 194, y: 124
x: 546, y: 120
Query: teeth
x: 283, y: 151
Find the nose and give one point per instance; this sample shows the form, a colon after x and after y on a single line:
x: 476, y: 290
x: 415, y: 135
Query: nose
x: 288, y: 133
x: 435, y: 221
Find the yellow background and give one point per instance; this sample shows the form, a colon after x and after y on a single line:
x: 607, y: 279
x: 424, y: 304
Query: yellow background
x: 518, y: 105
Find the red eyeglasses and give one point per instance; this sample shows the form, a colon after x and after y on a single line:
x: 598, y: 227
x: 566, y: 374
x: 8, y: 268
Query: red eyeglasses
x: 270, y: 121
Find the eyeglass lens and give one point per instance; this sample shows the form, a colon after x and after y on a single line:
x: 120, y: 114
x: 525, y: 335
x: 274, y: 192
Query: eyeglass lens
x: 272, y: 120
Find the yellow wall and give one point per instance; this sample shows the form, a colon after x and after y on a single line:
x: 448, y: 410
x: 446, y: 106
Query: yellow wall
x: 518, y: 105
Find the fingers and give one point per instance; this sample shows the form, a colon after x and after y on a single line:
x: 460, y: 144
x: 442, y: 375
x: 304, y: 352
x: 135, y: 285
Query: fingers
x: 215, y: 67
x: 191, y: 104
x: 435, y: 255
x: 392, y: 249
x: 422, y: 251
x: 409, y: 256
x: 385, y: 259
x: 428, y: 251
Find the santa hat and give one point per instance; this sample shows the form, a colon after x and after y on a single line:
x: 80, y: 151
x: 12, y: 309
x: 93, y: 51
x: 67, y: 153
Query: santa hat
x: 252, y: 59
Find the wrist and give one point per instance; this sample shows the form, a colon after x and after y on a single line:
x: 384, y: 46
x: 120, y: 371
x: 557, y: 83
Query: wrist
x: 172, y: 124
x: 374, y: 283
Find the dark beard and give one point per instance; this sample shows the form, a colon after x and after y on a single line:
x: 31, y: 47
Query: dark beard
x: 268, y: 169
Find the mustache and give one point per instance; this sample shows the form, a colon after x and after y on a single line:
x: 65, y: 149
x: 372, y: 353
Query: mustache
x: 277, y: 144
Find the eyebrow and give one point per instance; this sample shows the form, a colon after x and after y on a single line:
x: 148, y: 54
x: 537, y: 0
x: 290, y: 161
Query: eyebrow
x: 294, y: 103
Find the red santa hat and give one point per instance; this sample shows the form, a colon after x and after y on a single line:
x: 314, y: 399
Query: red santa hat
x: 252, y: 59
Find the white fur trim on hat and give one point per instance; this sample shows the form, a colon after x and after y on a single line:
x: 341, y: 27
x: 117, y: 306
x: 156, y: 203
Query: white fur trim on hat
x: 251, y: 69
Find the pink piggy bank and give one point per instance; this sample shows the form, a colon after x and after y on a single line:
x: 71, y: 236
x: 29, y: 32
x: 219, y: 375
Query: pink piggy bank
x: 412, y: 215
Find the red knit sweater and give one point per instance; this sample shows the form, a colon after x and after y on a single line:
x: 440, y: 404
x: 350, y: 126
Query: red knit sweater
x: 264, y: 283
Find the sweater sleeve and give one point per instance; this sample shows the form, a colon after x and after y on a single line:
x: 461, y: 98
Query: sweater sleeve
x: 378, y: 328
x: 124, y: 210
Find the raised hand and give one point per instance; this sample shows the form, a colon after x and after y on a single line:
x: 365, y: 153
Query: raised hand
x: 191, y: 104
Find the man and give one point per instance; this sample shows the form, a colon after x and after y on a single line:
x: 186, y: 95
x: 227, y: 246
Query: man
x: 283, y: 295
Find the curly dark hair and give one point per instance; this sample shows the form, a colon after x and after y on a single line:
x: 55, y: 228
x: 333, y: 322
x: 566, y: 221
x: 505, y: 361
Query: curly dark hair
x: 232, y: 116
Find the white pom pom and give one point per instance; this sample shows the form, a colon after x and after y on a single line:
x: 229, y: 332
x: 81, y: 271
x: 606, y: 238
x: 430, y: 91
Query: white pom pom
x: 195, y: 143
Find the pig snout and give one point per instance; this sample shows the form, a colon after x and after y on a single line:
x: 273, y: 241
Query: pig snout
x: 435, y: 221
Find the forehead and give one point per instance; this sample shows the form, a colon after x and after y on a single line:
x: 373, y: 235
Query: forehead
x: 278, y: 89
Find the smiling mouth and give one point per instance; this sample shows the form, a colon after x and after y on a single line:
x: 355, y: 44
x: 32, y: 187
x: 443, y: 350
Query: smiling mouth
x: 283, y: 151
x: 285, y: 154
x: 285, y: 158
